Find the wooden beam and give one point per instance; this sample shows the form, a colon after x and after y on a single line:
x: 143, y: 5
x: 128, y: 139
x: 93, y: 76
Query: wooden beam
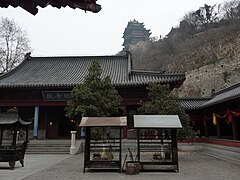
x: 218, y: 129
x: 68, y: 3
x: 31, y: 5
x: 55, y: 3
x: 89, y: 5
x: 32, y: 103
x: 206, y: 128
x: 28, y: 6
x: 41, y: 3
x: 234, y: 129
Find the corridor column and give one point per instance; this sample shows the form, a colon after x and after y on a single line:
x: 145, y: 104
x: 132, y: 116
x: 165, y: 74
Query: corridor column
x: 125, y: 129
x: 218, y: 129
x: 205, y: 128
x: 234, y: 130
x: 36, y: 119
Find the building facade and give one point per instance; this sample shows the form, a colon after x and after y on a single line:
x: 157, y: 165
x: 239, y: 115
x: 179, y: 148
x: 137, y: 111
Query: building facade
x: 40, y: 88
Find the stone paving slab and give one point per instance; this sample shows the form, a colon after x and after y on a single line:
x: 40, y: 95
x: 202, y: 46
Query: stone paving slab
x: 193, y: 166
x: 33, y: 163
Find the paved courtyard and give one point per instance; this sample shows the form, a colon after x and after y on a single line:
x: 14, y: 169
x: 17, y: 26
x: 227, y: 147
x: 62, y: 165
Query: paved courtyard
x: 65, y: 167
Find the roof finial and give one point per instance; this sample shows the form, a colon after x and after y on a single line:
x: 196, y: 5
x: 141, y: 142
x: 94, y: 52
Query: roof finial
x: 27, y: 55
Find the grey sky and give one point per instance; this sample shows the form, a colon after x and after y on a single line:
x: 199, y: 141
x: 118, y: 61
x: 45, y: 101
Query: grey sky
x: 66, y: 31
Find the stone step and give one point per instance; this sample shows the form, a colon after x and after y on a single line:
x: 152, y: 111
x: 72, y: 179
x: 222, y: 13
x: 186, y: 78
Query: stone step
x: 68, y: 141
x: 48, y: 150
x: 224, y: 152
x: 48, y: 147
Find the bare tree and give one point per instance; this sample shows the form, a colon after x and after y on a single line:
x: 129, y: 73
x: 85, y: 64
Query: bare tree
x: 231, y: 11
x: 189, y: 23
x: 207, y: 15
x: 14, y: 44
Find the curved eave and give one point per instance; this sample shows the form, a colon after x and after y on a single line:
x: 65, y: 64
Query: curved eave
x: 13, y: 70
x: 208, y: 104
x: 32, y: 5
x: 38, y: 86
x: 192, y: 103
x: 133, y: 83
x: 223, y: 96
x: 163, y: 80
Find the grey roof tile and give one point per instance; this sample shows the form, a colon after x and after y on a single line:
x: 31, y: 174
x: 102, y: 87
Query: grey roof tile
x: 227, y: 94
x: 192, y: 103
x: 70, y: 71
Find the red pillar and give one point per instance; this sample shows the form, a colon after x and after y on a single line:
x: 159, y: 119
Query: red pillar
x: 234, y: 130
x: 218, y: 129
x: 205, y: 128
x: 125, y: 129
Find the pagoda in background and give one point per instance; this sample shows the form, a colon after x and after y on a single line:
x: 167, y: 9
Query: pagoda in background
x: 134, y: 33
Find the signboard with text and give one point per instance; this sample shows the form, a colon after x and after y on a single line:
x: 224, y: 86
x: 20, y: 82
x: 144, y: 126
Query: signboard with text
x: 56, y: 95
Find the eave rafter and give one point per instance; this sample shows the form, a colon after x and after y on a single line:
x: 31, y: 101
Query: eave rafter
x: 32, y: 5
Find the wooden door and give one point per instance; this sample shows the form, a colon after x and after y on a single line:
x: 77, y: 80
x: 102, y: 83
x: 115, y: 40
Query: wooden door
x: 52, y: 119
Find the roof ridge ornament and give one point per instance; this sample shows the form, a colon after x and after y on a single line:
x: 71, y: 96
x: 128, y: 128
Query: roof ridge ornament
x: 129, y: 64
x: 27, y: 55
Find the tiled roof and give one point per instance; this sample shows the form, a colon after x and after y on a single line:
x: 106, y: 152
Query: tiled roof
x: 70, y: 71
x: 192, y: 103
x: 31, y: 5
x: 227, y: 94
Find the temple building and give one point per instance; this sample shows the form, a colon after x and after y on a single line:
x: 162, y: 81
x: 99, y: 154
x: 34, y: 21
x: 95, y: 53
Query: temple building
x: 40, y: 88
x: 216, y: 117
x: 134, y: 33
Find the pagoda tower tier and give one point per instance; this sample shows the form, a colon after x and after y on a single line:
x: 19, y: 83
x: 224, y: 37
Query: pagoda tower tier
x: 134, y: 33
